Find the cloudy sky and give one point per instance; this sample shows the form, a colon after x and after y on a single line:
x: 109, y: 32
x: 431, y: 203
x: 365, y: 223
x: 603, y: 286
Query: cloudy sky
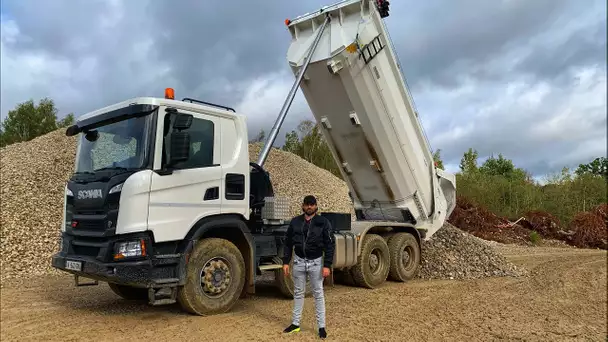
x: 523, y: 78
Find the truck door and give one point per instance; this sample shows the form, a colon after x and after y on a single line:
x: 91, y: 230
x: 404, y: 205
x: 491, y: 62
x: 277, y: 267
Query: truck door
x: 192, y: 191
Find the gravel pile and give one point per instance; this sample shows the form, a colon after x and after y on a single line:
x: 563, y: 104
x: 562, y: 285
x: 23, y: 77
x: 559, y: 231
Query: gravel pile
x: 453, y: 254
x: 33, y: 175
x: 295, y: 178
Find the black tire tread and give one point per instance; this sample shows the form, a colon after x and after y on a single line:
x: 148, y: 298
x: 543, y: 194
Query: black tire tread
x: 359, y: 272
x: 396, y: 244
x: 190, y: 296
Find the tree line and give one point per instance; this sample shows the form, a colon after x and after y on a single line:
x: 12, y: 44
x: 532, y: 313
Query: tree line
x: 29, y: 120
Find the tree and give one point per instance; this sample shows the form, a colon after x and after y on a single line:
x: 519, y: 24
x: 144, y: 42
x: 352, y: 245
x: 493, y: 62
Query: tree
x: 258, y: 138
x: 437, y: 159
x: 598, y: 167
x: 292, y: 142
x: 28, y: 121
x: 68, y: 120
x: 468, y: 163
x: 502, y: 166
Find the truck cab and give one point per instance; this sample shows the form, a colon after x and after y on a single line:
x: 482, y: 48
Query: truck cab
x: 152, y: 175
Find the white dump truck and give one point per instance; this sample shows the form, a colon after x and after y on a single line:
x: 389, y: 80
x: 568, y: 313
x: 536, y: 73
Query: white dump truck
x: 164, y: 204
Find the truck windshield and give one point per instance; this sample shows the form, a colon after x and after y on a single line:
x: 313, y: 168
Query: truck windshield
x: 118, y: 146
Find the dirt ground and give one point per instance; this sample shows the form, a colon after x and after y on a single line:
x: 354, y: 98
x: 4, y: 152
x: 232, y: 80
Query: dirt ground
x: 564, y: 298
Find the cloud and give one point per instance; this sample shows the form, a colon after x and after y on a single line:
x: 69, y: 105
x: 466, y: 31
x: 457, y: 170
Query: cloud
x: 522, y: 78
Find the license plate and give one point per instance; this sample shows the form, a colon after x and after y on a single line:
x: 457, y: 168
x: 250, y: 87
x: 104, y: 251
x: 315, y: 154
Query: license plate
x: 73, y: 265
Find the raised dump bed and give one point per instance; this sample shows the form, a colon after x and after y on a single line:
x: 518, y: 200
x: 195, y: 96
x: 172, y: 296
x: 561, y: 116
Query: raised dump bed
x: 355, y: 89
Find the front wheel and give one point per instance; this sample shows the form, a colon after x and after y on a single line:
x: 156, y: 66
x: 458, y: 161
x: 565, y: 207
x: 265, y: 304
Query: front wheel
x: 215, y: 277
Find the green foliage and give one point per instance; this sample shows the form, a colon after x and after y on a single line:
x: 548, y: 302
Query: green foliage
x: 437, y: 159
x: 28, y: 121
x: 259, y: 138
x: 535, y: 237
x: 503, y: 167
x: 511, y: 192
x: 310, y: 144
x: 599, y: 167
x: 468, y: 163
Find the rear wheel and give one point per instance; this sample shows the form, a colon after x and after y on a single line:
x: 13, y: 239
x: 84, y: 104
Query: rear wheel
x: 373, y: 266
x: 215, y: 277
x: 405, y: 256
x: 129, y: 292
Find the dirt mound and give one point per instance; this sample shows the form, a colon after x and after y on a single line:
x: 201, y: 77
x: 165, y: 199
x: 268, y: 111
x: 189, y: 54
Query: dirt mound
x: 602, y: 211
x: 295, y: 178
x: 454, y: 254
x: 547, y: 225
x: 589, y: 230
x: 477, y: 220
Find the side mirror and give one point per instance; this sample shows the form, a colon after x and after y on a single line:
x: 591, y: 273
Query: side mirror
x: 180, y: 147
x: 72, y: 131
x: 182, y: 121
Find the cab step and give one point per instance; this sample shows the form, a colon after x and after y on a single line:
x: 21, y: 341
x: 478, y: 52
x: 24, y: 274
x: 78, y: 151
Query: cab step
x: 162, y: 296
x: 78, y: 283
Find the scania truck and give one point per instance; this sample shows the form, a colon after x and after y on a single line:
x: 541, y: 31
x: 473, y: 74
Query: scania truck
x: 165, y: 206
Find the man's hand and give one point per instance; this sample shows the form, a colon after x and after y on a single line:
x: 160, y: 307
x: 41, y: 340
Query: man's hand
x: 325, y: 272
x: 286, y: 269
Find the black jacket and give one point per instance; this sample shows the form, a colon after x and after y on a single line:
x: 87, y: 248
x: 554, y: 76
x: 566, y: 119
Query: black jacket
x: 309, y: 241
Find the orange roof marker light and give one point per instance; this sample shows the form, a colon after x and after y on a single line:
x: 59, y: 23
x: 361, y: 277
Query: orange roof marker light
x: 287, y: 22
x: 169, y: 93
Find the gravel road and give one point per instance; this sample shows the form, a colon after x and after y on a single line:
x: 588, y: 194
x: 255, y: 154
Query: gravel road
x: 563, y: 298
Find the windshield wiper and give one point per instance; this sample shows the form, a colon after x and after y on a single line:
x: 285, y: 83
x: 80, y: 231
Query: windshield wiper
x: 116, y: 168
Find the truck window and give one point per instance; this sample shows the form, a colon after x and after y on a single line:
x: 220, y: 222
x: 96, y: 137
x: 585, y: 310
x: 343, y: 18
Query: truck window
x: 202, y: 134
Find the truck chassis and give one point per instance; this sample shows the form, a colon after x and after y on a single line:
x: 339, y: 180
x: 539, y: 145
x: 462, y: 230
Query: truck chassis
x: 219, y: 263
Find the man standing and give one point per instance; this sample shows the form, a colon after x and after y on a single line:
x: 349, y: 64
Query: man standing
x: 310, y: 236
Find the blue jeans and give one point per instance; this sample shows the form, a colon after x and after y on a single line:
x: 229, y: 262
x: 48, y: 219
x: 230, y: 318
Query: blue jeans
x: 313, y: 269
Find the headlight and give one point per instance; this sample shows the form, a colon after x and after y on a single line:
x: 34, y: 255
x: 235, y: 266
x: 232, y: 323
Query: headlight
x: 116, y: 188
x: 129, y: 249
x: 68, y: 192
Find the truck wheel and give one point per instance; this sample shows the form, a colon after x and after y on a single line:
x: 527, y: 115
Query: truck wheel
x: 285, y: 283
x: 215, y: 277
x: 373, y: 266
x: 130, y: 292
x: 405, y: 256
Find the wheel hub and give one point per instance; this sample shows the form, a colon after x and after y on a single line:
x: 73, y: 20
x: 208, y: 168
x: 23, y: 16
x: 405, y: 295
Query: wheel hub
x: 374, y: 261
x: 215, y: 277
x: 406, y: 257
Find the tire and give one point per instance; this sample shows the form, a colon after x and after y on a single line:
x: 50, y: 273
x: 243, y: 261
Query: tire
x: 219, y: 256
x: 285, y: 283
x: 405, y: 257
x: 129, y: 292
x: 376, y: 250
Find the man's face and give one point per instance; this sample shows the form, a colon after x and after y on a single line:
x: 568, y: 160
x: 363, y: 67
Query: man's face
x: 309, y: 209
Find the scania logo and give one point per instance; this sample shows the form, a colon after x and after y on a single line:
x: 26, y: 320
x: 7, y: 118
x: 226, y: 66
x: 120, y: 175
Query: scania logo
x: 93, y: 193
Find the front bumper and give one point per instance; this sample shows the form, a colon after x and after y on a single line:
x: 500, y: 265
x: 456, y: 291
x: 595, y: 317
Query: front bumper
x: 153, y: 271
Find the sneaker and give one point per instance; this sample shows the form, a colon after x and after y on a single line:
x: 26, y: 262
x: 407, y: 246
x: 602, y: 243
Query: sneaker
x: 322, y: 333
x: 291, y: 329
